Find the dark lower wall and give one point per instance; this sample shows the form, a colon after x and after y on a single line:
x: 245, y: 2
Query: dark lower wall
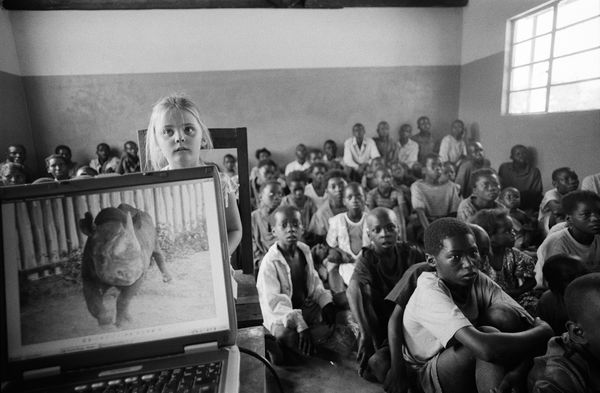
x: 560, y: 139
x: 14, y: 123
x: 280, y: 108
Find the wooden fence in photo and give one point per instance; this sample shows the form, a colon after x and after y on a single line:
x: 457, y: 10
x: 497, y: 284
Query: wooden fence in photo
x: 48, y: 230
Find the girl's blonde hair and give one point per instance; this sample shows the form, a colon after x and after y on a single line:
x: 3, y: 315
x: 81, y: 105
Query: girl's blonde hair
x: 155, y: 159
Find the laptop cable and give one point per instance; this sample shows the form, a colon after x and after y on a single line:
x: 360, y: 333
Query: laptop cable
x: 267, y: 364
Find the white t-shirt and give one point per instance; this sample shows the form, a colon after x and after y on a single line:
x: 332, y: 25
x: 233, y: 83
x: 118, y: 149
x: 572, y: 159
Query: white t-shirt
x: 591, y: 183
x: 346, y: 235
x: 354, y: 155
x: 296, y: 166
x: 545, y: 212
x: 432, y: 317
x: 310, y: 192
x: 451, y: 149
x: 561, y: 242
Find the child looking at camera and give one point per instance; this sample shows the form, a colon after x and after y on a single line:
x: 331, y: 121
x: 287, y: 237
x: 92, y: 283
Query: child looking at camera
x: 485, y: 190
x: 296, y: 182
x: 262, y: 219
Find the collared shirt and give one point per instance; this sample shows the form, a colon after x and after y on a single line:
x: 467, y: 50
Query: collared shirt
x: 451, y: 149
x: 274, y: 285
x: 409, y: 153
x: 354, y: 155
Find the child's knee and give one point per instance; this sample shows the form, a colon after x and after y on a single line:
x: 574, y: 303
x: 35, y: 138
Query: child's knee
x: 504, y: 318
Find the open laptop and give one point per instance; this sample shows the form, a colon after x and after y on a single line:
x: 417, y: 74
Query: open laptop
x: 75, y: 315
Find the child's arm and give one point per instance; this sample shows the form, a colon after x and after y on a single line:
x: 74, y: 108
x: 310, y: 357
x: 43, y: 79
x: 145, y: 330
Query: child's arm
x: 396, y: 380
x: 233, y: 223
x: 399, y: 195
x: 423, y: 220
x: 498, y: 347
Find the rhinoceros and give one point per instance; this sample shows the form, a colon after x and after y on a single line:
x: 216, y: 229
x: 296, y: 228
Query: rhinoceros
x: 120, y: 246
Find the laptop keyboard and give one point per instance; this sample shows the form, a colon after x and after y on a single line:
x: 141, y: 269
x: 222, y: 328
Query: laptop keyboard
x: 202, y: 378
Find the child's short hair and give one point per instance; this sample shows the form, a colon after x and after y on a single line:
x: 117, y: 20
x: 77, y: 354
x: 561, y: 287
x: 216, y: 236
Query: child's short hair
x: 230, y: 156
x: 102, y: 144
x: 578, y: 292
x: 431, y: 156
x: 506, y: 190
x: 480, y: 173
x: 330, y: 142
x: 155, y: 159
x: 54, y: 157
x: 558, y: 171
x: 515, y: 147
x: 286, y: 209
x: 559, y: 270
x: 355, y: 185
x: 299, y: 176
x: 86, y: 170
x: 331, y: 174
x: 572, y: 199
x: 129, y: 143
x: 317, y: 164
x: 266, y: 162
x: 488, y: 219
x: 62, y: 147
x: 267, y: 184
x: 260, y: 151
x: 441, y: 229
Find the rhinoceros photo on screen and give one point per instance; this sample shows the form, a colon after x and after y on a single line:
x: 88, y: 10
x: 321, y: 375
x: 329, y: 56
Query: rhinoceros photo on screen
x: 119, y: 249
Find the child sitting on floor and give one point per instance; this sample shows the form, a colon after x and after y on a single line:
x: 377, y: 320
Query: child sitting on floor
x: 130, y: 161
x: 368, y: 179
x: 455, y: 322
x: 485, y: 190
x: 104, y: 162
x: 448, y: 173
x: 385, y: 145
x: 300, y: 163
x: 580, y: 238
x: 508, y: 266
x: 330, y: 153
x: 384, y: 195
x: 475, y: 160
x: 572, y: 360
x: 296, y: 182
x: 260, y: 154
x: 559, y: 270
x: 452, y: 147
x: 316, y: 189
x: 315, y: 155
x: 346, y: 237
x: 524, y: 176
x: 266, y: 172
x: 296, y: 308
x: 430, y: 198
x: 523, y: 225
x: 262, y: 220
x: 319, y: 223
x: 564, y: 181
x: 377, y: 270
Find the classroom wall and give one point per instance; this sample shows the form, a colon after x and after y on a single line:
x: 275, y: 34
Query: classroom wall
x: 290, y: 76
x: 14, y: 127
x: 559, y: 139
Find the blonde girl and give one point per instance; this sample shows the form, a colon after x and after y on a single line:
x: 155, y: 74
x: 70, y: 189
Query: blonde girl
x: 174, y: 140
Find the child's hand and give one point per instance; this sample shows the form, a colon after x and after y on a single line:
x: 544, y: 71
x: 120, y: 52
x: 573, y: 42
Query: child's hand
x: 334, y: 256
x: 319, y: 252
x: 305, y: 344
x: 328, y: 313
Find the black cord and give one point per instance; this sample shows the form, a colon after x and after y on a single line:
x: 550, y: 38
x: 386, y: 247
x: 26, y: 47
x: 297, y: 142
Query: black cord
x: 266, y: 362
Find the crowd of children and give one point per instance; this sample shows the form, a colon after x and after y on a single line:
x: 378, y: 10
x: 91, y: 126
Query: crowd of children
x: 444, y: 274
x: 456, y: 276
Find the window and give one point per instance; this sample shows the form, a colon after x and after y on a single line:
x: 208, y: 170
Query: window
x: 553, y: 58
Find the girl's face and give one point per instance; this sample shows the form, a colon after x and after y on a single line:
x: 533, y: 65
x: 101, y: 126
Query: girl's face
x: 505, y: 234
x: 229, y: 163
x: 180, y: 139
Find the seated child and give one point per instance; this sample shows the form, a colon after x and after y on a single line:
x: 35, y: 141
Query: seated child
x: 104, y: 163
x: 260, y: 154
x: 559, y: 270
x: 452, y: 147
x: 295, y: 306
x: 475, y: 160
x: 384, y: 195
x: 330, y: 152
x: 359, y: 151
x: 580, y: 238
x: 17, y: 154
x: 368, y: 179
x: 266, y: 172
x: 385, y: 145
x: 508, y: 266
x: 230, y: 170
x: 448, y: 173
x: 485, y: 190
x: 402, y: 178
x: 430, y: 198
x: 572, y: 360
x: 130, y: 161
x: 407, y: 150
x: 377, y: 270
x: 319, y: 223
x: 315, y: 155
x: 346, y: 237
x: 262, y: 219
x: 11, y: 174
x: 521, y: 174
x: 397, y: 379
x: 564, y: 181
x: 524, y: 226
x: 296, y: 182
x: 424, y: 138
x: 452, y: 343
x: 300, y: 163
x: 56, y: 166
x: 316, y: 189
x: 65, y: 151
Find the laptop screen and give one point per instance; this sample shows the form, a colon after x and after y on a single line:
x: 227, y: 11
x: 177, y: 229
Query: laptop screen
x: 95, y: 269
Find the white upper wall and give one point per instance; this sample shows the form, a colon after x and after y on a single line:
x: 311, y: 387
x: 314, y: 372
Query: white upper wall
x: 149, y: 41
x: 484, y: 25
x: 8, y: 52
